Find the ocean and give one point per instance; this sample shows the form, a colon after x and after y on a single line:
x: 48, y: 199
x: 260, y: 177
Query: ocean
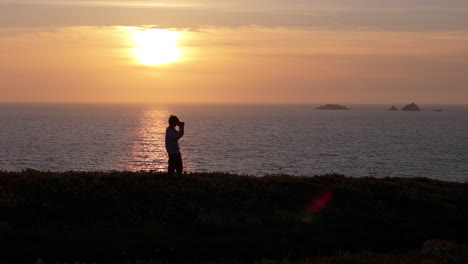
x: 258, y: 140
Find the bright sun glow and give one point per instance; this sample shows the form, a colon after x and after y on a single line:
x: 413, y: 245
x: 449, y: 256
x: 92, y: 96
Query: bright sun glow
x: 156, y: 46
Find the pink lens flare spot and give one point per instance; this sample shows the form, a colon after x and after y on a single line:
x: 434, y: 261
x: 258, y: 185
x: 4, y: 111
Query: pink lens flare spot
x: 320, y: 202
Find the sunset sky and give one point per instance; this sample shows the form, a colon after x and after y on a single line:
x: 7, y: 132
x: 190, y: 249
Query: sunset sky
x: 244, y: 51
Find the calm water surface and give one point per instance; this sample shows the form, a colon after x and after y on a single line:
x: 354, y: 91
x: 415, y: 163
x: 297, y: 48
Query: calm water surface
x: 244, y: 139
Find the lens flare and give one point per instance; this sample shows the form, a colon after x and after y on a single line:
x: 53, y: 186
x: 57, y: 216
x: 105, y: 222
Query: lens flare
x: 320, y: 202
x: 314, y: 207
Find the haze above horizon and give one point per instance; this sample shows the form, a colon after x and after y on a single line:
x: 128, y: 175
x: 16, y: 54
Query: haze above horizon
x: 297, y: 51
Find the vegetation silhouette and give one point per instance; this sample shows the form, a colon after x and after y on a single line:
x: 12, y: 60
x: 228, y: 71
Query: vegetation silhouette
x: 216, y: 216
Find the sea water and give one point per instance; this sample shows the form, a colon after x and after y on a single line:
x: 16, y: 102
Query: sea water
x: 243, y: 139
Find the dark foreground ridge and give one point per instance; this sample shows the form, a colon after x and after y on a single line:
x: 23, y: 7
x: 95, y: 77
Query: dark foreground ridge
x: 116, y: 215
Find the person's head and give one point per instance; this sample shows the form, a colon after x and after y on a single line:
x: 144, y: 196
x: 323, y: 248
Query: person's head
x: 173, y: 121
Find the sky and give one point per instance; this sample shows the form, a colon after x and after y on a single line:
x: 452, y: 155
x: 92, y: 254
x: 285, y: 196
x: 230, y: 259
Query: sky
x: 256, y: 51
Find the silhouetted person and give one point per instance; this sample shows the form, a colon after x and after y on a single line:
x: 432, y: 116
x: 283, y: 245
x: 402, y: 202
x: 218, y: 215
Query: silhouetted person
x: 172, y: 145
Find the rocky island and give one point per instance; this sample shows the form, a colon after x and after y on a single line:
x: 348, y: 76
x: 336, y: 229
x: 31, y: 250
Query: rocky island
x: 393, y: 108
x: 411, y: 107
x: 332, y: 107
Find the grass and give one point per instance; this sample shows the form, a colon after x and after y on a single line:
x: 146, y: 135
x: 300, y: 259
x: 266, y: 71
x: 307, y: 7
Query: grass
x: 222, y: 217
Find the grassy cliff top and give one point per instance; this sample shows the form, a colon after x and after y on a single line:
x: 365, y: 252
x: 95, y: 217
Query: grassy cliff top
x: 218, y: 216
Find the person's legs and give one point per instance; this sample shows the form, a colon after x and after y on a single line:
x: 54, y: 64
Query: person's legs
x: 172, y: 164
x: 180, y: 166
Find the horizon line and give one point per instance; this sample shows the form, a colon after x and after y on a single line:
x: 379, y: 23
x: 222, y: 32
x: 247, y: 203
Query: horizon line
x: 220, y: 103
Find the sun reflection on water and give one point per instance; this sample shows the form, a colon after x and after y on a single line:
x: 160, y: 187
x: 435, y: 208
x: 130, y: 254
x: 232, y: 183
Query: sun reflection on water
x: 149, y: 152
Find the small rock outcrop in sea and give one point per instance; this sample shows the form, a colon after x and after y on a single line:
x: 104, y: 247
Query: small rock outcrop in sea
x: 411, y: 107
x: 332, y: 107
x: 438, y: 110
x: 393, y: 108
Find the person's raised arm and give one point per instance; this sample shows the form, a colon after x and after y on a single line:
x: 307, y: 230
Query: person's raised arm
x: 181, y: 129
x: 174, y: 134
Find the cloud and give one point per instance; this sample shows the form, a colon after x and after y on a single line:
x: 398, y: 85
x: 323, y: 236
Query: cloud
x: 90, y: 3
x: 398, y: 15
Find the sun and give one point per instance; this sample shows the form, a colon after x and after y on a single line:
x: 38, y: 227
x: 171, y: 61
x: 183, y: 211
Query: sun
x: 156, y: 46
